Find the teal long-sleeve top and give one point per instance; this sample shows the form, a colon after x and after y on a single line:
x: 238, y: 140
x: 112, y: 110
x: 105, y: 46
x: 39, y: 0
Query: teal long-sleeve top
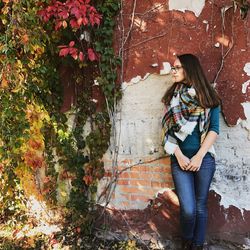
x: 191, y: 145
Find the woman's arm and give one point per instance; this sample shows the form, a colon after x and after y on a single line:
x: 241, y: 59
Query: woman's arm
x: 196, y: 160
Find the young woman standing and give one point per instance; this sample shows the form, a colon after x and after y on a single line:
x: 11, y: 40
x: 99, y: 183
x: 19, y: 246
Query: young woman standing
x: 190, y: 127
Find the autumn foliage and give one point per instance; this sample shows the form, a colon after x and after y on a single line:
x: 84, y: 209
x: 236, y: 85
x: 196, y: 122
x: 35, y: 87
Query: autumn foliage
x: 78, y: 15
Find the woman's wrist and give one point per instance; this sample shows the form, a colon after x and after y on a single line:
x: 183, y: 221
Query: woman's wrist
x: 201, y: 153
x: 178, y: 152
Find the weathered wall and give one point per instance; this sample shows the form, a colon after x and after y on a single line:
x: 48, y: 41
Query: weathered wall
x: 218, y: 36
x: 138, y: 125
x: 149, y: 33
x: 146, y: 176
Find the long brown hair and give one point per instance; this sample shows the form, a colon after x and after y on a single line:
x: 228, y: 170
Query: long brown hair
x: 206, y: 95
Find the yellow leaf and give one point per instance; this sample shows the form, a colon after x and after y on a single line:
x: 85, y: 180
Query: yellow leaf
x: 4, y: 83
x: 5, y: 10
x: 4, y: 21
x: 64, y: 194
x: 19, y: 64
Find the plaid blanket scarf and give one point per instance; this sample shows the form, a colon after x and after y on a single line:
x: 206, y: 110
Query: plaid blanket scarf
x: 182, y: 116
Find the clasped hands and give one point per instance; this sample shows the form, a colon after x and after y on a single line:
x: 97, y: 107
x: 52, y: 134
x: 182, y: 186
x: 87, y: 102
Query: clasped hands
x: 187, y: 164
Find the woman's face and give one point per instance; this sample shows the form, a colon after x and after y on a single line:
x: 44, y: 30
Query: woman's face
x: 178, y: 72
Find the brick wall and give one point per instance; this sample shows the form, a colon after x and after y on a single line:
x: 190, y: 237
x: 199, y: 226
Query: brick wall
x: 217, y: 34
x: 139, y: 184
x: 145, y: 170
x: 138, y: 125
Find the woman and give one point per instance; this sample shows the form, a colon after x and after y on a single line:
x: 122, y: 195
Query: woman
x: 190, y: 127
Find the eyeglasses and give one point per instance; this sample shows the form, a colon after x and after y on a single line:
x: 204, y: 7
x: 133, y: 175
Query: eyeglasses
x: 176, y: 68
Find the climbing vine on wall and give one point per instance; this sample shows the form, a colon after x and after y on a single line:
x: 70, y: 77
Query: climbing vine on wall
x: 40, y: 153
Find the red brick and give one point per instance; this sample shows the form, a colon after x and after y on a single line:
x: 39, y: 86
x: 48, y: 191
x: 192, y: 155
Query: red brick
x: 171, y: 183
x: 161, y: 177
x: 139, y: 198
x: 127, y: 189
x: 126, y: 161
x: 145, y: 183
x: 124, y: 175
x: 166, y: 185
x: 161, y: 169
x: 156, y: 184
x: 126, y: 196
x: 141, y: 168
x: 120, y: 168
x: 139, y: 175
x: 125, y: 204
x: 137, y: 190
x: 134, y: 175
x: 123, y: 182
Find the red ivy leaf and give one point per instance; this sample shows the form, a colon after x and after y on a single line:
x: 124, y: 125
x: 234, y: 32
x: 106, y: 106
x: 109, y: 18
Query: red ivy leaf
x: 76, y: 12
x: 63, y: 14
x: 73, y: 51
x: 81, y: 56
x: 44, y: 15
x: 74, y: 24
x: 74, y: 55
x: 64, y: 52
x: 98, y: 20
x: 51, y: 8
x: 72, y: 44
x: 58, y: 25
x: 83, y: 10
x: 92, y: 9
x: 85, y: 21
x: 79, y: 21
x: 88, y: 179
x: 92, y: 55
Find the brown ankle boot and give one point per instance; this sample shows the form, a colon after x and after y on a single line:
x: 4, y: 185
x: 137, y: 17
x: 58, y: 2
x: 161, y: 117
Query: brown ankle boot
x: 186, y: 244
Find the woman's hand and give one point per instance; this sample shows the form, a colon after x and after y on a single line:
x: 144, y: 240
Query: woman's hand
x: 195, y: 163
x: 196, y: 160
x: 182, y: 159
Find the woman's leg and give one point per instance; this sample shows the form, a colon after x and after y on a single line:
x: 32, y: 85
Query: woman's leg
x: 202, y: 180
x: 184, y: 185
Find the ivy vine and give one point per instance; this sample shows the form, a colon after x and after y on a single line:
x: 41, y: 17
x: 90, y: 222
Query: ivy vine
x: 36, y: 140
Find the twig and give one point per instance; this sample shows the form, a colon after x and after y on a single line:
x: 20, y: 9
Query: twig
x: 115, y: 138
x: 131, y: 24
x: 152, y: 9
x: 223, y: 56
x: 146, y: 40
x: 118, y: 173
x: 131, y: 230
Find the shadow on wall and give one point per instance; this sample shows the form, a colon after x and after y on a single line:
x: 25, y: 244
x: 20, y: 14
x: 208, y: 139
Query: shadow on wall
x: 160, y: 220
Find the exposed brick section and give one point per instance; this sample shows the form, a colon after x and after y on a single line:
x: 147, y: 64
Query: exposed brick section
x: 140, y: 184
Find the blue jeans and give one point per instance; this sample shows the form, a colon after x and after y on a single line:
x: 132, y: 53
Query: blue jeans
x: 192, y: 190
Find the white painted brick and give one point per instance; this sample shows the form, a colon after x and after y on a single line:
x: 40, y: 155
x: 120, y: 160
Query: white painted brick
x: 231, y: 179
